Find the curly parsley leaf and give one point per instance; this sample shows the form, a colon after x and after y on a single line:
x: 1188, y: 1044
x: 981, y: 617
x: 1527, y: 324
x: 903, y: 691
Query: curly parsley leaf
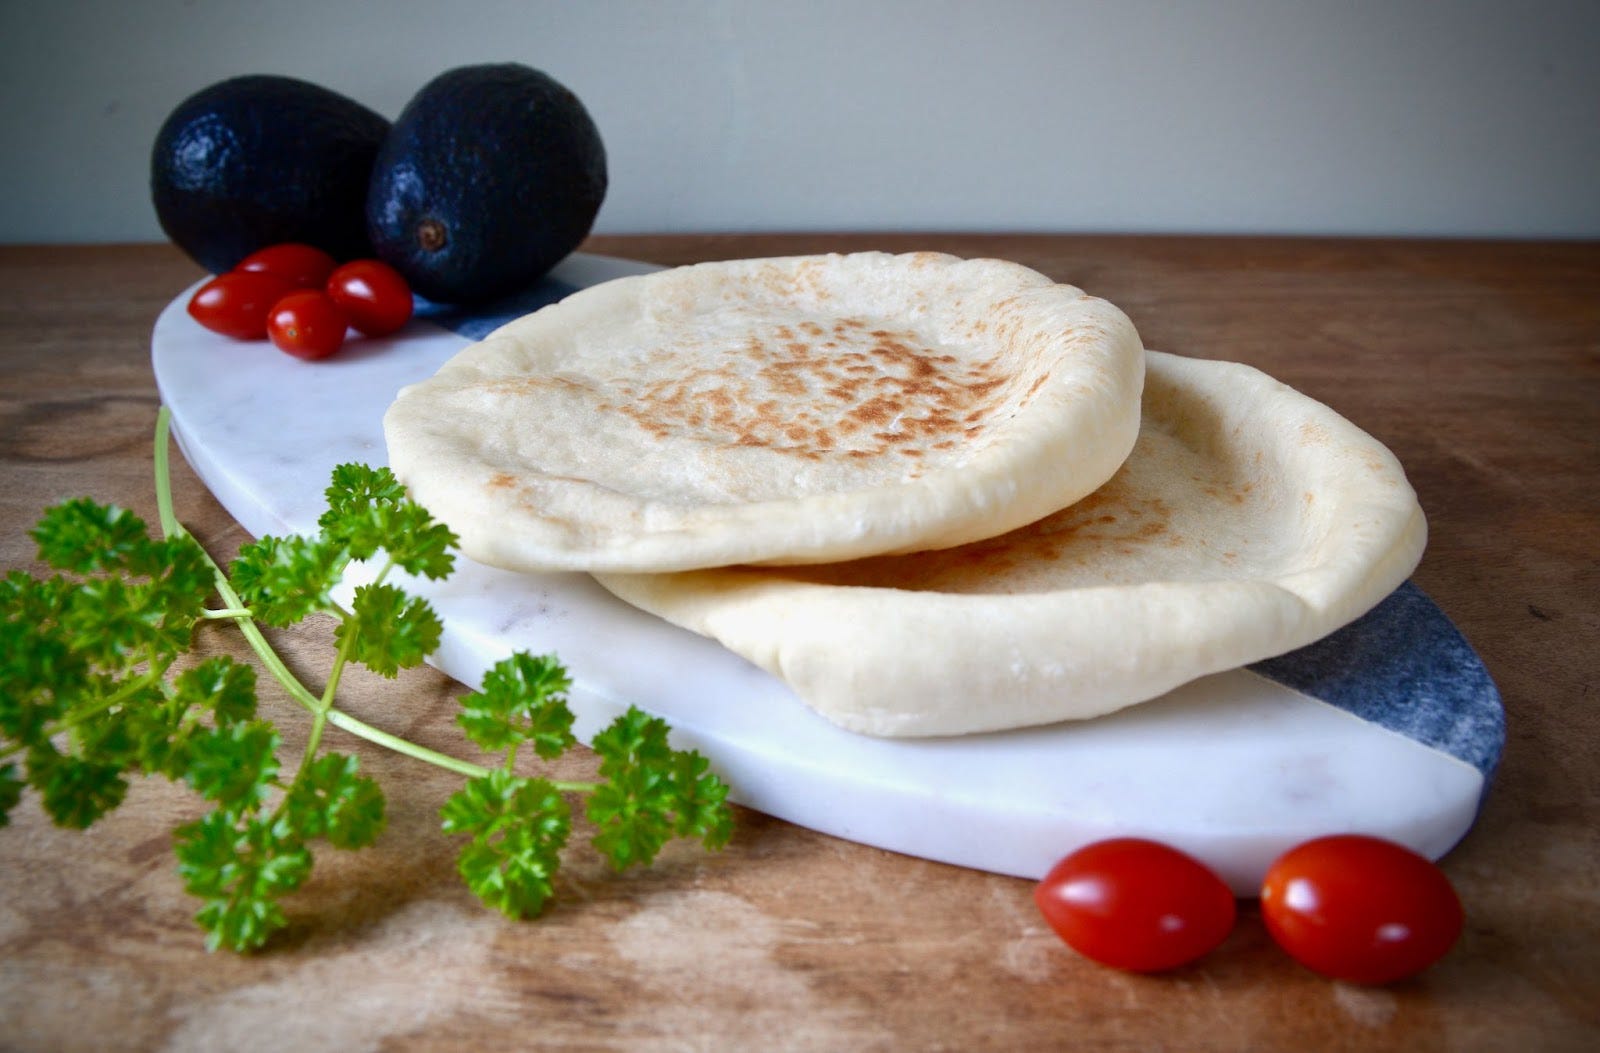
x: 225, y: 687
x: 652, y: 793
x: 523, y: 699
x: 392, y: 631
x: 234, y: 765
x: 240, y: 866
x: 74, y: 791
x: 166, y: 580
x: 119, y: 716
x: 112, y: 622
x: 158, y: 731
x: 418, y: 544
x: 11, y: 787
x: 282, y: 580
x: 187, y: 578
x: 702, y: 806
x: 517, y: 828
x: 331, y: 799
x: 41, y: 672
x: 368, y: 511
x: 354, y: 491
x: 83, y: 537
x: 633, y: 811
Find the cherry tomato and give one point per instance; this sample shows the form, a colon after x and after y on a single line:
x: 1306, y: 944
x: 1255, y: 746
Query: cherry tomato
x: 307, y: 324
x: 373, y: 294
x: 1136, y: 904
x: 237, y: 304
x: 304, y: 266
x: 1360, y: 908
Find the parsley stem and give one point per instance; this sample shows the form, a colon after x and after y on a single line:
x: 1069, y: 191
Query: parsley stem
x: 224, y: 613
x: 345, y: 722
x: 319, y: 716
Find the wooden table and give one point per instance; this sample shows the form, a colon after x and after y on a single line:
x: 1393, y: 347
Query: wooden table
x: 1479, y: 364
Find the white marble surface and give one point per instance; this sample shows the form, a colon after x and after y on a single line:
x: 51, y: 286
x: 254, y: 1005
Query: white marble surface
x: 1233, y: 768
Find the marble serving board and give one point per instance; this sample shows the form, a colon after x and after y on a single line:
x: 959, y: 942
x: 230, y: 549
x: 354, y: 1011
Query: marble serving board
x: 1390, y: 727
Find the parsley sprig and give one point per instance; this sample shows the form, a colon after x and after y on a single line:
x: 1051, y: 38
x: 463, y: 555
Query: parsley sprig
x: 98, y: 683
x: 651, y: 792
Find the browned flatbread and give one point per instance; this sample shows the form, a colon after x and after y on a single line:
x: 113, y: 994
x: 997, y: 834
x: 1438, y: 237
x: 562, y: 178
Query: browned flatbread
x: 773, y: 411
x: 1248, y: 521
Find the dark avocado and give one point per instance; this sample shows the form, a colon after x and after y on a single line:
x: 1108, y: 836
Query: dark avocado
x: 491, y: 175
x: 258, y: 160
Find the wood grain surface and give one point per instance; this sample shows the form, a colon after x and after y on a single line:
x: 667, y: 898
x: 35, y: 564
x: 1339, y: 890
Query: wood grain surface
x: 1477, y: 363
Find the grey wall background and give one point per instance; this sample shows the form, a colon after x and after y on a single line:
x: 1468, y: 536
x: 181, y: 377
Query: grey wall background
x: 1295, y: 116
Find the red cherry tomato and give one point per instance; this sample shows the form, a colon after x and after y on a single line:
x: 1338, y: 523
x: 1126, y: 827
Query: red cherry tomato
x: 1136, y: 904
x: 307, y: 324
x: 304, y: 266
x: 373, y: 294
x: 1360, y: 908
x: 237, y: 304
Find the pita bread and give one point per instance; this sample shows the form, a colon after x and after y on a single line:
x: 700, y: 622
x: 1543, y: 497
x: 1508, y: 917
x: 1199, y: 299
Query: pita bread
x: 1250, y: 520
x: 796, y: 410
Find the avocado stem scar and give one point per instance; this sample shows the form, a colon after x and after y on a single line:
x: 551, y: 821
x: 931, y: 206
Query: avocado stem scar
x: 431, y: 235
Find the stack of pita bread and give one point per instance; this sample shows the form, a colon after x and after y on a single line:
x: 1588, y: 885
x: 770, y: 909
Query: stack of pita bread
x: 935, y: 496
